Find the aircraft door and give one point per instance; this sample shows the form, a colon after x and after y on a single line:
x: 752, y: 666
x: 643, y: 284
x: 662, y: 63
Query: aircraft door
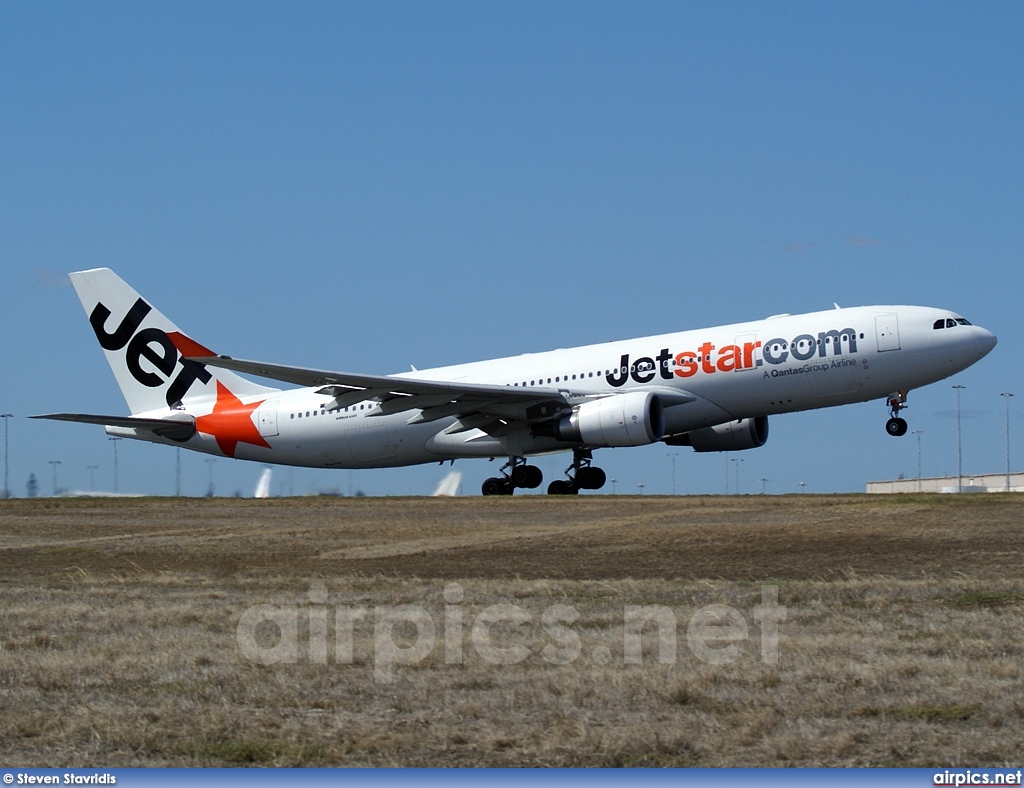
x: 887, y: 332
x: 268, y: 418
x: 750, y: 352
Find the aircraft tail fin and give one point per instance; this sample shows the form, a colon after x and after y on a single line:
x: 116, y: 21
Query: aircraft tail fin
x: 263, y: 485
x: 449, y: 485
x: 147, y: 352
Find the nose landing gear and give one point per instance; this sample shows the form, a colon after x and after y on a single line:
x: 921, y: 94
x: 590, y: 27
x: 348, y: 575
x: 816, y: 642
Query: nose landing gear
x: 896, y: 426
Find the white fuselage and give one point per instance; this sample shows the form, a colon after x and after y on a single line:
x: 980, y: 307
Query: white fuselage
x: 778, y: 365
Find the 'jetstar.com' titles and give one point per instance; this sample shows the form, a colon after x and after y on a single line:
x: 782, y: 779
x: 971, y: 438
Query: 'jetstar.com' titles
x: 707, y: 359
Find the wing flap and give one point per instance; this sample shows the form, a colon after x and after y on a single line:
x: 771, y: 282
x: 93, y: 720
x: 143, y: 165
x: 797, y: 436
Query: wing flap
x: 380, y: 383
x: 433, y: 398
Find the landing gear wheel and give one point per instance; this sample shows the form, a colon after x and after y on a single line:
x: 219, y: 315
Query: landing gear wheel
x: 562, y: 487
x: 496, y: 486
x: 582, y: 476
x: 590, y: 478
x: 528, y: 476
x: 896, y: 426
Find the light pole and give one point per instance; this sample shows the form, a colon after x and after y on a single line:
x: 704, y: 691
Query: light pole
x: 917, y: 434
x: 802, y: 485
x: 7, y: 472
x: 209, y: 464
x: 114, y: 441
x: 737, y: 463
x: 673, y: 455
x: 92, y: 476
x: 959, y: 452
x: 727, y: 473
x: 1006, y: 396
x: 764, y: 481
x: 641, y: 486
x: 177, y: 473
x: 614, y: 482
x: 54, y: 464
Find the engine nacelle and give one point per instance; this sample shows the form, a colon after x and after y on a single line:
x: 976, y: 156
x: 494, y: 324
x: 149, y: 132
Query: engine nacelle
x: 731, y: 436
x: 632, y: 419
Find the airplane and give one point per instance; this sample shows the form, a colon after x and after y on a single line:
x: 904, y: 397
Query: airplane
x: 712, y: 389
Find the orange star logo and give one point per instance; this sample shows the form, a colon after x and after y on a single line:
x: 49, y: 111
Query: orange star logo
x: 231, y: 422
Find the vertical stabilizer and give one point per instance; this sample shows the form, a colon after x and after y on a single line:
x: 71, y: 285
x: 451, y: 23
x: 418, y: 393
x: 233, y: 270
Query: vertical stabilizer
x: 263, y: 485
x: 146, y: 351
x: 449, y: 485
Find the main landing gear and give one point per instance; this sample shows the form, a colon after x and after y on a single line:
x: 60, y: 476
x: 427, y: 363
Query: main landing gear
x: 896, y: 426
x: 518, y: 474
x: 582, y: 476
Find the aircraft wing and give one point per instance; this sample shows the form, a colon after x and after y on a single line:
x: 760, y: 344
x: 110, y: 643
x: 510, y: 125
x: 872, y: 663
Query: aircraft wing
x: 179, y: 428
x: 476, y: 405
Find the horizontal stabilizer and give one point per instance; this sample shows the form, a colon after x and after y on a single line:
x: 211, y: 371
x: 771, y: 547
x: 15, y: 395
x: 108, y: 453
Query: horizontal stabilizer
x: 180, y: 428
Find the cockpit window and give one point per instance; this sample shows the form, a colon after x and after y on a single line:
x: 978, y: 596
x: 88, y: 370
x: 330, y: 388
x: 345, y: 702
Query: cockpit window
x: 948, y: 322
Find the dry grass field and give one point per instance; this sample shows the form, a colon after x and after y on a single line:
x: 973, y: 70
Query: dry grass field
x: 902, y: 643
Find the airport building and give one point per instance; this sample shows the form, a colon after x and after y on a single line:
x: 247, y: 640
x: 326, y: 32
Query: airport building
x: 988, y: 482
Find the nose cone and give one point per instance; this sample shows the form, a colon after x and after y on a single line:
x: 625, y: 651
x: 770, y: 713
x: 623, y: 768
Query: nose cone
x: 986, y: 341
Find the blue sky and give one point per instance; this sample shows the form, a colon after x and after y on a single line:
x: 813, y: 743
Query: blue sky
x: 367, y: 186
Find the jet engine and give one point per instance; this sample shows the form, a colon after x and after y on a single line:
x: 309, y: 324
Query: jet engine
x: 731, y: 436
x: 632, y: 419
